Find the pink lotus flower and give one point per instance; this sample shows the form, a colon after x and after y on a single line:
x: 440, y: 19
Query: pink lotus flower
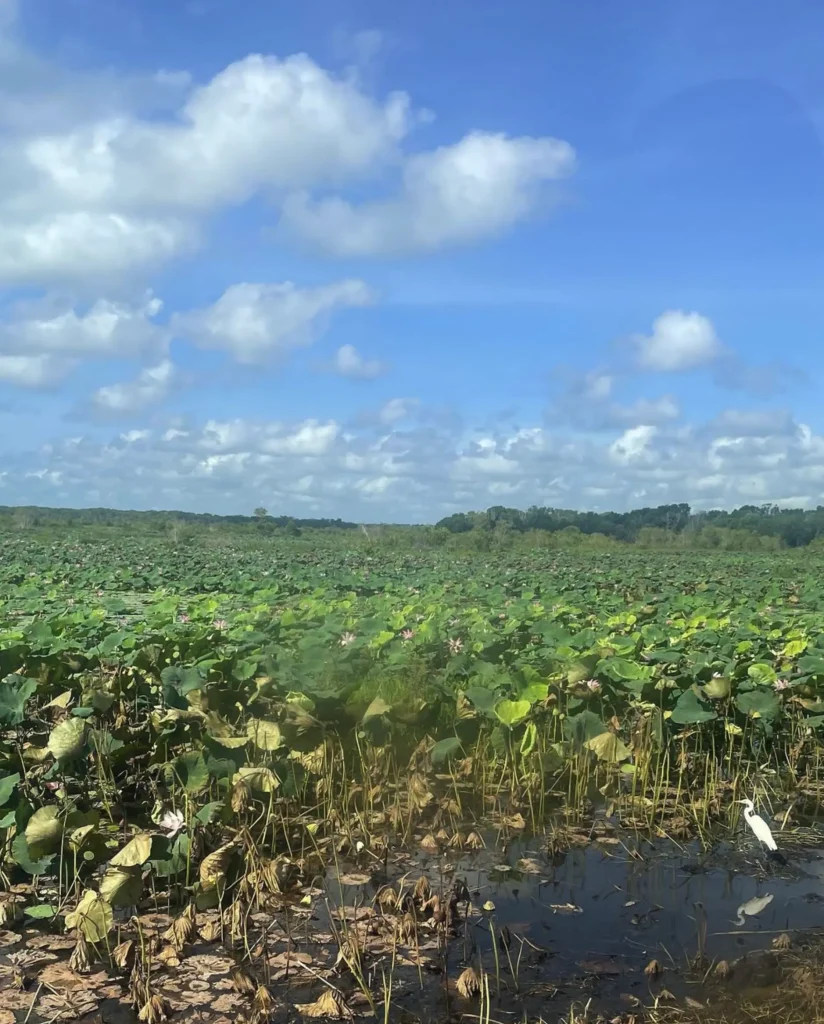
x: 220, y: 624
x: 407, y: 634
x: 455, y: 645
x: 346, y: 639
x: 781, y: 684
x: 183, y: 618
x: 594, y: 685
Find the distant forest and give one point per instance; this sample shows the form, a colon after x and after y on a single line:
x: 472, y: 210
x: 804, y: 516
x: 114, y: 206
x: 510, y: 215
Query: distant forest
x: 155, y: 522
x: 754, y: 526
x: 749, y: 528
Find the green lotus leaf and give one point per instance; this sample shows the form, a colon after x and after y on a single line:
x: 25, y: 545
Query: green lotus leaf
x: 68, y: 739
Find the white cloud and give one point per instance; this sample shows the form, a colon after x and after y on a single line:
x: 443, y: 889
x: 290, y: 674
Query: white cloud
x: 90, y: 190
x: 76, y: 246
x: 679, y: 341
x: 348, y: 362
x: 261, y: 122
x: 35, y: 371
x: 109, y: 329
x: 256, y: 322
x: 587, y: 404
x: 151, y: 386
x: 105, y: 177
x: 633, y: 444
x: 397, y: 409
x: 311, y: 438
x: 42, y: 341
x: 407, y: 472
x: 466, y: 192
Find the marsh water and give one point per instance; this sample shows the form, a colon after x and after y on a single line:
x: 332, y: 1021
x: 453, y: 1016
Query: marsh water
x: 571, y: 929
x: 593, y: 919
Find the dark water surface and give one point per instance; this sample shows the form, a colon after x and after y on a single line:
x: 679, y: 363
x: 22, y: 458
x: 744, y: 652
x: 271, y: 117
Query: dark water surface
x: 579, y: 926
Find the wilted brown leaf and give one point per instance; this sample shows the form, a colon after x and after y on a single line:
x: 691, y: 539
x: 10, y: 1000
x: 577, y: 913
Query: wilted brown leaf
x: 169, y: 957
x: 329, y: 1004
x: 468, y: 984
x: 429, y: 843
x: 354, y: 878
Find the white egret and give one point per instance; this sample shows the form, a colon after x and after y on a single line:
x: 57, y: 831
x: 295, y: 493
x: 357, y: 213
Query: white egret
x: 760, y: 828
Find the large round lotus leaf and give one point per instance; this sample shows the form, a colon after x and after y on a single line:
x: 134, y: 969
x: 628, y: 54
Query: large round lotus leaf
x: 122, y: 887
x: 511, y: 712
x: 717, y: 688
x: 136, y: 852
x: 265, y: 735
x: 609, y: 747
x: 262, y: 779
x: 68, y: 740
x: 44, y: 829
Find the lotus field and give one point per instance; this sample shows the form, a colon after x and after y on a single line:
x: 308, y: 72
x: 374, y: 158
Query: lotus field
x: 206, y: 731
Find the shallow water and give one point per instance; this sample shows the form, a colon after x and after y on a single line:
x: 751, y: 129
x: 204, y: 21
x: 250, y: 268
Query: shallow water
x: 582, y: 926
x: 594, y: 918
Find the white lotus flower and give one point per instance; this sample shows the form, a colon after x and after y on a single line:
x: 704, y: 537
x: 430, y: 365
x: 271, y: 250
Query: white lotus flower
x: 172, y: 822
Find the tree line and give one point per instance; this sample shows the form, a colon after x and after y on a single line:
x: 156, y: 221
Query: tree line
x: 769, y: 525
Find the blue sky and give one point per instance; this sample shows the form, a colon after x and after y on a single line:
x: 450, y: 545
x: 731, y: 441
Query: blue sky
x: 385, y: 262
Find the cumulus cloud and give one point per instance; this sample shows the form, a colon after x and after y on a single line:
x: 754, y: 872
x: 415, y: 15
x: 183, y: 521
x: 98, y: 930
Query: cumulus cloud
x: 104, y: 177
x: 36, y: 371
x: 258, y: 322
x: 42, y: 341
x: 397, y: 409
x: 150, y: 387
x: 409, y: 471
x: 101, y: 191
x: 348, y: 362
x: 462, y: 193
x: 261, y: 122
x: 587, y: 403
x: 679, y: 341
x: 633, y: 444
x: 80, y: 245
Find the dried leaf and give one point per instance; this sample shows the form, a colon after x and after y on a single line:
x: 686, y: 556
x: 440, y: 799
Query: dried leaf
x: 122, y: 954
x: 183, y: 928
x: 213, y: 867
x: 242, y: 981
x: 468, y: 984
x: 81, y: 959
x: 329, y: 1004
x: 168, y: 956
x: 154, y: 1010
x: 355, y: 878
x: 422, y: 890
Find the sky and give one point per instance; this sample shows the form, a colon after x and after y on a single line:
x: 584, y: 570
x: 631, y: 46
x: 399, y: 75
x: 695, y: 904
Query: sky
x: 386, y: 262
